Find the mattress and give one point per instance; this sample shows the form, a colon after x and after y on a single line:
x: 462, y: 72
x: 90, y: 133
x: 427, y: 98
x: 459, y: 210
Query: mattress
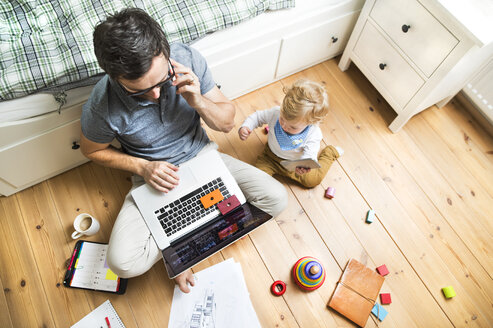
x: 43, y: 103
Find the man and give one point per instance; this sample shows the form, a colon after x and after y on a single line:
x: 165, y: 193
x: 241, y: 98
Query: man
x: 151, y: 101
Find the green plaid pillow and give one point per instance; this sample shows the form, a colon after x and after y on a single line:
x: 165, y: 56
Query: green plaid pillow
x: 48, y: 43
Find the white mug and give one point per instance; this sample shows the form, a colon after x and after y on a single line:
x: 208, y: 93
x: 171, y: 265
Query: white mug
x: 85, y: 224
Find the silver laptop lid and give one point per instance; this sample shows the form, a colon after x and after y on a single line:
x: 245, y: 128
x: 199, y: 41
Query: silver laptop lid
x: 194, y: 173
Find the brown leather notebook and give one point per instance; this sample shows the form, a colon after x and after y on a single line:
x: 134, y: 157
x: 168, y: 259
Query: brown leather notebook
x: 356, y: 292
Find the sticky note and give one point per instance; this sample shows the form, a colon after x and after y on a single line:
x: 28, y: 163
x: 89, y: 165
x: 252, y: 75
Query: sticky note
x: 110, y: 275
x: 448, y: 291
x: 228, y: 205
x: 370, y: 216
x: 211, y: 198
x: 379, y: 311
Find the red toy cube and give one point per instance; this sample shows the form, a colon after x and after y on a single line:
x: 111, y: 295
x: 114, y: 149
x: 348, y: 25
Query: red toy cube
x: 385, y: 298
x: 383, y: 270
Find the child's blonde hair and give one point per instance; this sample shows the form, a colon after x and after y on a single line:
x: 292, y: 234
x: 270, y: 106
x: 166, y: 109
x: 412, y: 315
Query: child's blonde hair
x: 306, y: 100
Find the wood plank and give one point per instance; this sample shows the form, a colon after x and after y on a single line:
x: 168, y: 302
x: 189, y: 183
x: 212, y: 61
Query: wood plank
x: 409, y: 237
x: 308, y: 308
x: 83, y: 191
x: 474, y: 196
x: 460, y: 144
x: 5, y: 319
x: 23, y: 288
x: 271, y: 311
x: 299, y: 231
x: 454, y: 212
x: 50, y: 248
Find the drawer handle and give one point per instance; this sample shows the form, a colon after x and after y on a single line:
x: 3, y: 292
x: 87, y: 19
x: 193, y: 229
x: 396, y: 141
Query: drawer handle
x: 405, y: 28
x: 75, y: 145
x: 382, y: 66
x: 334, y: 39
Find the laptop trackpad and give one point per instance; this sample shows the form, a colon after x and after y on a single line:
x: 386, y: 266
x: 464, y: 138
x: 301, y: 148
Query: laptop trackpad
x: 187, y: 178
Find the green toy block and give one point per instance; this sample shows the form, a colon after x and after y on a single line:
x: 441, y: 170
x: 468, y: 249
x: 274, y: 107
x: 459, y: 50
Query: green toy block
x: 448, y: 291
x: 370, y: 216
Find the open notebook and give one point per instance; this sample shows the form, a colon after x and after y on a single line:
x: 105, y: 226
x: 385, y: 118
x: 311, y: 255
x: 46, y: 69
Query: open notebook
x: 97, y: 318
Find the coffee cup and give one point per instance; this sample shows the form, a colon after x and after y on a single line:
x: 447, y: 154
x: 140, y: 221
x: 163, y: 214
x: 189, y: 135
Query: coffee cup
x: 85, y: 224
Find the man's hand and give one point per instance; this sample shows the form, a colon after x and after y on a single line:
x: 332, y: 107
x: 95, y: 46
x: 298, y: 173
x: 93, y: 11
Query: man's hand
x: 187, y: 84
x: 244, y: 133
x: 161, y: 175
x: 302, y: 170
x: 182, y: 280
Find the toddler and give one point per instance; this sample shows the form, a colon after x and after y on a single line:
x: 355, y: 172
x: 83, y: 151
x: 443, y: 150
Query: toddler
x: 294, y: 133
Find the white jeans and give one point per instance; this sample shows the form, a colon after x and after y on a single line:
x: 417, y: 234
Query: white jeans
x: 132, y: 250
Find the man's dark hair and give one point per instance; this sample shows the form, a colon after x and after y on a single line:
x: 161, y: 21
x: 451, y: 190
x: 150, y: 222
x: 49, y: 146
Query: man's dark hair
x: 126, y: 42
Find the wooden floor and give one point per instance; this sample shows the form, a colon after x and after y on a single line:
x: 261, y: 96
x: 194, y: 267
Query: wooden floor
x: 431, y: 186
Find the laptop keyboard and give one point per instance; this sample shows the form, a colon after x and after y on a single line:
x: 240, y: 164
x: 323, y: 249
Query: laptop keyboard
x: 188, y: 209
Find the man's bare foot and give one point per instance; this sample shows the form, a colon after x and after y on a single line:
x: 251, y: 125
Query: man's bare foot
x: 182, y: 280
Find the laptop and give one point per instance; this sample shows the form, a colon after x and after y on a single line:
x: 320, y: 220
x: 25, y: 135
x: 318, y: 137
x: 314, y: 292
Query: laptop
x: 186, y: 223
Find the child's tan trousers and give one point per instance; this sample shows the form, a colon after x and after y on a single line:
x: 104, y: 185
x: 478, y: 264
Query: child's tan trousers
x: 270, y: 163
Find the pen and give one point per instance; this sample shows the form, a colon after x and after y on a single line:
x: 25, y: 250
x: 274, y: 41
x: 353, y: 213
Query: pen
x: 107, y: 322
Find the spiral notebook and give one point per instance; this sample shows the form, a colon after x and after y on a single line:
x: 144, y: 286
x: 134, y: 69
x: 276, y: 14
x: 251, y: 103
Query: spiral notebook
x: 97, y: 318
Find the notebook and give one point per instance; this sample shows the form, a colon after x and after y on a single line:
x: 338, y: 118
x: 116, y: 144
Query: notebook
x: 291, y: 165
x: 356, y: 292
x: 88, y: 269
x: 97, y: 318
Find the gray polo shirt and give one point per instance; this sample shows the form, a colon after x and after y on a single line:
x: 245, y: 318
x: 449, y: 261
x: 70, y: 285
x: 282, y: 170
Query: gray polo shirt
x: 169, y: 130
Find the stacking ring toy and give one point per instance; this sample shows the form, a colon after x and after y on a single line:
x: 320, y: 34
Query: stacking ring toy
x: 308, y: 273
x: 278, y: 287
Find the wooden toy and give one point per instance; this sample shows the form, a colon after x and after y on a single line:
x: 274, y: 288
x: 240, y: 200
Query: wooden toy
x: 370, y: 216
x: 278, y: 288
x: 383, y: 270
x: 379, y: 311
x: 385, y: 298
x: 329, y: 193
x: 448, y: 291
x: 266, y: 129
x: 308, y: 273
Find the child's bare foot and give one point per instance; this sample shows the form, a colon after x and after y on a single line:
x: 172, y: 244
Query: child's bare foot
x: 182, y: 280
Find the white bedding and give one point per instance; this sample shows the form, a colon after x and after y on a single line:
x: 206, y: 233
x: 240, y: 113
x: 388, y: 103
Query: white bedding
x: 42, y: 103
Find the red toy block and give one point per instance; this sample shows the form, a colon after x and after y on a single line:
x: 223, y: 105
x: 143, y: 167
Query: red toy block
x: 329, y: 193
x: 266, y: 129
x: 383, y: 270
x: 385, y: 298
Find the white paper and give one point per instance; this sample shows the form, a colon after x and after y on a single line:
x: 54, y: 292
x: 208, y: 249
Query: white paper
x: 97, y: 317
x: 219, y: 299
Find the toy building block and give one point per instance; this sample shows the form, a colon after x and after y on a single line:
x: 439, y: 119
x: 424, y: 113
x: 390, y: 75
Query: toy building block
x: 370, y: 216
x: 383, y: 270
x: 266, y: 129
x: 448, y: 291
x: 385, y: 298
x: 329, y: 193
x: 379, y: 311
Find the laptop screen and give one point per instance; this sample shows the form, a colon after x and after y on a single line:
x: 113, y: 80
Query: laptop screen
x: 212, y: 237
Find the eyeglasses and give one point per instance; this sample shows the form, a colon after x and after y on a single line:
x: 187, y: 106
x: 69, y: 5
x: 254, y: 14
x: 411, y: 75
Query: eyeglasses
x: 171, y: 75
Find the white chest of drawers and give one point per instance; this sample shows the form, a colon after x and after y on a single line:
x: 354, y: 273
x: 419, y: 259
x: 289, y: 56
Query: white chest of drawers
x: 418, y: 53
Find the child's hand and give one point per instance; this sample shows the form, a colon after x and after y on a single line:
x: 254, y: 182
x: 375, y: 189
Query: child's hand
x: 302, y: 170
x: 244, y: 132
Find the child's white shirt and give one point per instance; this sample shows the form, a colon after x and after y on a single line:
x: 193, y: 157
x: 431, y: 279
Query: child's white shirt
x: 308, y: 148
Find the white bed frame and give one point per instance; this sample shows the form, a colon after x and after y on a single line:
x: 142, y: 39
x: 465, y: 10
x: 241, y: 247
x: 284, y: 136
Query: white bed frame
x: 242, y: 59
